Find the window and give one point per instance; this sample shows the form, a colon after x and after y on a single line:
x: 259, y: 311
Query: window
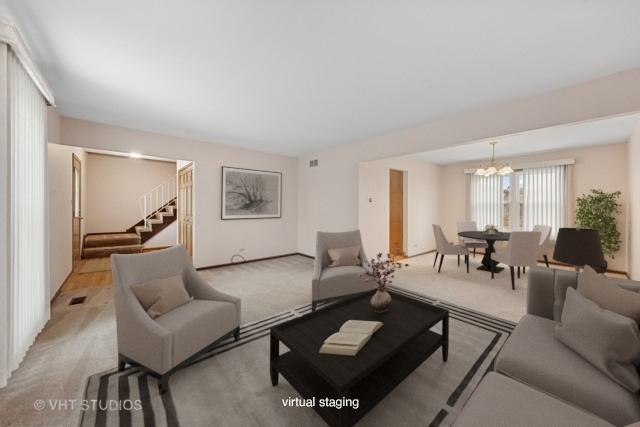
x: 521, y: 200
x: 513, y: 201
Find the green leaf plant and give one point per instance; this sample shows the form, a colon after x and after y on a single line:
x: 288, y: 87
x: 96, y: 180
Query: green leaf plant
x: 598, y: 211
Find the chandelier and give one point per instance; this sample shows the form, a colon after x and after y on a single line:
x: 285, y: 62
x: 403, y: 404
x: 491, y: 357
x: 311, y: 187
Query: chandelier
x: 494, y: 168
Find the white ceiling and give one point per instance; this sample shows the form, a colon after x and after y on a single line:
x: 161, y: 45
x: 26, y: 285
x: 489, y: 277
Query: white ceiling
x: 293, y: 76
x: 597, y: 132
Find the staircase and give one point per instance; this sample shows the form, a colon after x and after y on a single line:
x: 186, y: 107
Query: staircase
x: 155, y: 222
x: 158, y: 209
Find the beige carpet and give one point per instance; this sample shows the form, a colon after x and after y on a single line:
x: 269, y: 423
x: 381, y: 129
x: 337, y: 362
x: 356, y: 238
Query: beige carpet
x: 230, y: 385
x: 80, y: 340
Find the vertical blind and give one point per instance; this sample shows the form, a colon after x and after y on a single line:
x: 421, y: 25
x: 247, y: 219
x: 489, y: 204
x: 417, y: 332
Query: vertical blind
x: 28, y: 287
x: 485, y: 200
x: 545, y: 197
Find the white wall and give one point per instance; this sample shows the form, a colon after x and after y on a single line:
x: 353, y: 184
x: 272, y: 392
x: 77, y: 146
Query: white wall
x: 422, y: 198
x: 167, y: 237
x: 603, y: 167
x: 215, y: 240
x: 59, y: 184
x: 115, y: 185
x: 633, y: 158
x: 328, y: 193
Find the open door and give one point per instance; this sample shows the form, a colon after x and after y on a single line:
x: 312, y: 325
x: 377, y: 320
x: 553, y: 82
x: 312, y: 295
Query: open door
x: 396, y: 213
x: 185, y: 208
x: 76, y: 211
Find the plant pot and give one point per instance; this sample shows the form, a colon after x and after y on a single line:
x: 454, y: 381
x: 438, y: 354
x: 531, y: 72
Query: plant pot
x: 380, y: 301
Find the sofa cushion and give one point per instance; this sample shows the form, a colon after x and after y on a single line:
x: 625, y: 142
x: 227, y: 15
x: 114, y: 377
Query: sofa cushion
x: 501, y: 401
x: 608, y: 294
x: 198, y: 324
x: 533, y: 355
x: 338, y: 281
x: 610, y: 341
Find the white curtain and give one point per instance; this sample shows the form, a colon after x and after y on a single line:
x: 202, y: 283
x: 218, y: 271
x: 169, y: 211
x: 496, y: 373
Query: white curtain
x: 28, y: 284
x: 485, y: 200
x: 546, y: 197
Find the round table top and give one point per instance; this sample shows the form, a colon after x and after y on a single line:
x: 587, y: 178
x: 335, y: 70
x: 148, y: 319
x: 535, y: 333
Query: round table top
x: 484, y: 235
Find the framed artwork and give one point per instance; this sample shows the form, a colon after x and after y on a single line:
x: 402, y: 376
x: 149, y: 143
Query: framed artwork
x: 251, y: 194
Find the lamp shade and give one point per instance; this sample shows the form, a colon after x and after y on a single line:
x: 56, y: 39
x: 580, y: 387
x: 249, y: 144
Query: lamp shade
x: 580, y: 247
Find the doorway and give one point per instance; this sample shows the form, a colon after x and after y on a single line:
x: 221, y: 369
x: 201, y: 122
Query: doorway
x: 185, y: 208
x: 76, y: 211
x: 397, y: 199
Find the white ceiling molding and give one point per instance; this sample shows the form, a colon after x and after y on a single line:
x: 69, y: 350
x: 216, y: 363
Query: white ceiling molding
x: 10, y: 35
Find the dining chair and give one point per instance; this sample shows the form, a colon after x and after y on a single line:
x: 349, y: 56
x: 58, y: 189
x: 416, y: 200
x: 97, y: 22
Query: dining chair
x: 468, y: 242
x: 545, y: 241
x: 521, y: 251
x: 444, y: 247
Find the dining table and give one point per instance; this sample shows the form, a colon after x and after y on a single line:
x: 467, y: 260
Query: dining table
x: 491, y: 237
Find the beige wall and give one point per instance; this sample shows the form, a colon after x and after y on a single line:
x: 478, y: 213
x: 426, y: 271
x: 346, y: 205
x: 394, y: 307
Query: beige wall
x: 633, y: 158
x: 215, y: 240
x: 603, y: 167
x: 328, y: 196
x: 422, y: 197
x: 60, y: 209
x: 114, y: 185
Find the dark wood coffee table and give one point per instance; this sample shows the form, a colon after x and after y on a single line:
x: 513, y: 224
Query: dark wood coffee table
x: 394, y: 351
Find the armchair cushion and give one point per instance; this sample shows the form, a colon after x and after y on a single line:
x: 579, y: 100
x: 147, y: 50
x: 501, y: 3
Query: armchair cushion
x: 161, y: 295
x: 196, y: 325
x: 344, y: 256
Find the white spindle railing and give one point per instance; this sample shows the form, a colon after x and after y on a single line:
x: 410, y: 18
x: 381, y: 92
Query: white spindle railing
x: 156, y: 198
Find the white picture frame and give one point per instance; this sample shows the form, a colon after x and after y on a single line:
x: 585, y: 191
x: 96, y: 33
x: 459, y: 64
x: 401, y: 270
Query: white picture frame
x: 251, y: 194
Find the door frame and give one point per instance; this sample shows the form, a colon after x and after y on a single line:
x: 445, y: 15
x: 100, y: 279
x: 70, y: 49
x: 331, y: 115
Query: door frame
x: 190, y: 165
x: 405, y: 223
x: 75, y: 160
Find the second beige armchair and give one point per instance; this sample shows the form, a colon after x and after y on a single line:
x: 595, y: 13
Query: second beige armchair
x: 332, y: 282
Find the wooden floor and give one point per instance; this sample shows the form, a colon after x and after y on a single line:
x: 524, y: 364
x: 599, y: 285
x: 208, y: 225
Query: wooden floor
x: 100, y: 277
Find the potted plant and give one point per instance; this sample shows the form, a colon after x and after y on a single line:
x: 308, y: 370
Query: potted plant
x: 598, y: 211
x: 382, y: 272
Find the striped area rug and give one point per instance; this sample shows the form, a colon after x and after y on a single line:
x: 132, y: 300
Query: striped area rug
x: 230, y: 384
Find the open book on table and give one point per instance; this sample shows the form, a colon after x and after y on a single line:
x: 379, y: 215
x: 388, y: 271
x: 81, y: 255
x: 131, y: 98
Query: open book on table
x: 351, y: 337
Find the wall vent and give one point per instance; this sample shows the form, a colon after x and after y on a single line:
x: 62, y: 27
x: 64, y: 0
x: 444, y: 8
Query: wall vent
x: 313, y: 163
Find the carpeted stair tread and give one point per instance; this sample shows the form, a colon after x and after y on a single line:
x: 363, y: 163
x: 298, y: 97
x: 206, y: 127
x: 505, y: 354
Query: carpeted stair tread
x: 106, y: 251
x: 111, y: 239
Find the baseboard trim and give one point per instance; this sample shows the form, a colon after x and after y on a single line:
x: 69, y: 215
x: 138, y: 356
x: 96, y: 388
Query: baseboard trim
x: 305, y: 255
x: 155, y: 248
x: 248, y: 261
x: 421, y: 253
x: 57, y: 294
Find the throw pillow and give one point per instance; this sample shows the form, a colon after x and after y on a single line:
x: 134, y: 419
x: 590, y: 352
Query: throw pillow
x: 341, y: 257
x: 609, y: 295
x: 160, y: 296
x: 607, y: 340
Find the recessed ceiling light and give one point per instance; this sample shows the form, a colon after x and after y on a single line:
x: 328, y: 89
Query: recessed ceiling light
x: 135, y: 155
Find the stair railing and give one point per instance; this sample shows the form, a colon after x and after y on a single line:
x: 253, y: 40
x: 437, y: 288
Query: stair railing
x: 156, y: 198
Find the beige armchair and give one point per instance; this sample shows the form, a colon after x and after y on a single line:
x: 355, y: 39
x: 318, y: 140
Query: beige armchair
x: 333, y: 282
x: 172, y: 340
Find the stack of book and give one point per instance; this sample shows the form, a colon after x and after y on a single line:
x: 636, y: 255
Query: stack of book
x: 351, y: 337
